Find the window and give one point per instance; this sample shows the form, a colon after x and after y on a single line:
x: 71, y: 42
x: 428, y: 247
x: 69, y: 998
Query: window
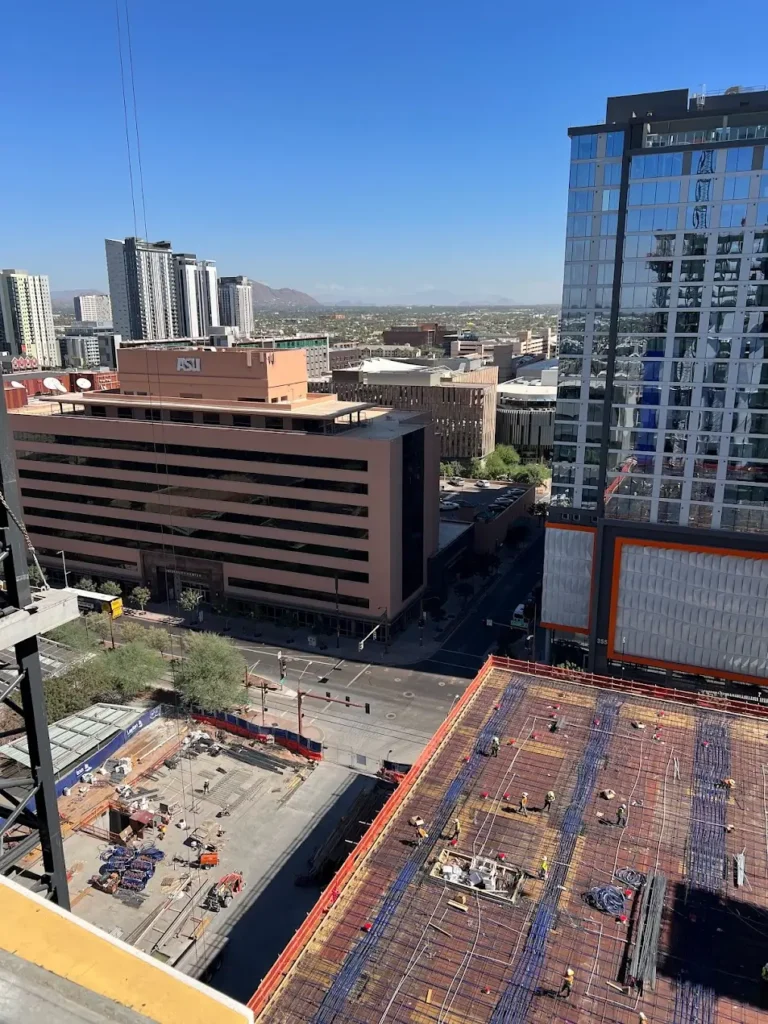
x: 656, y: 165
x: 687, y: 323
x: 98, y: 410
x: 609, y: 224
x: 758, y: 270
x: 576, y: 250
x: 582, y: 175
x: 703, y: 161
x: 123, y: 413
x: 583, y: 147
x: 692, y: 270
x: 695, y: 245
x: 736, y: 187
x: 581, y: 201
x: 760, y: 243
x: 241, y: 421
x: 614, y: 144
x: 610, y: 199
x: 701, y: 190
x: 762, y: 212
x: 764, y: 184
x: 181, y: 416
x: 274, y: 422
x: 152, y: 414
x: 739, y: 159
x: 698, y: 217
x: 612, y: 174
x: 733, y: 215
x: 727, y: 270
x: 690, y: 296
x: 724, y: 295
x: 651, y: 193
x: 211, y: 418
x: 578, y: 226
x: 727, y: 244
x: 310, y: 595
x: 185, y: 394
x: 757, y: 295
x: 606, y: 249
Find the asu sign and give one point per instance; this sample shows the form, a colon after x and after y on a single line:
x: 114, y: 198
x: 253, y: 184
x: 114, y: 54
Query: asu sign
x: 186, y: 365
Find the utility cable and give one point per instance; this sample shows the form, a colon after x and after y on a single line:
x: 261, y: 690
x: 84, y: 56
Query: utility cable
x: 125, y: 114
x: 136, y: 119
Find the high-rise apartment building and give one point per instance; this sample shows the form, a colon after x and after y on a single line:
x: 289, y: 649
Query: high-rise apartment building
x: 657, y: 543
x: 236, y: 303
x: 207, y: 296
x: 142, y: 287
x: 185, y: 266
x: 94, y: 308
x: 26, y: 317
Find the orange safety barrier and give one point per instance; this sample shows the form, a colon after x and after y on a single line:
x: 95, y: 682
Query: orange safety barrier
x: 335, y: 887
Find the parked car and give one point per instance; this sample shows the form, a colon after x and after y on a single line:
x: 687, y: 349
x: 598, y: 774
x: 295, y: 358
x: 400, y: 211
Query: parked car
x: 449, y: 506
x: 483, y: 483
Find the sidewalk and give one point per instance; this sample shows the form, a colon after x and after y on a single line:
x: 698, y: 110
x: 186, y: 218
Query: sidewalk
x: 413, y: 645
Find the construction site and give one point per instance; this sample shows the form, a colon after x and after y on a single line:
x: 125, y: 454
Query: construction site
x: 563, y: 851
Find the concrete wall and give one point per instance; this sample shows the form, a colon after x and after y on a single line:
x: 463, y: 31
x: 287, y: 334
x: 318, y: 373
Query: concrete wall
x: 489, y: 536
x: 227, y: 374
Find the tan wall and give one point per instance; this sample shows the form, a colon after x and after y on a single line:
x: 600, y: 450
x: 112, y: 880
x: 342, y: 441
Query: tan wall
x: 485, y: 375
x: 262, y: 375
x: 383, y: 503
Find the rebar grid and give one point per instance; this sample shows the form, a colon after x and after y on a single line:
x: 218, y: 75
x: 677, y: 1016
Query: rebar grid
x: 432, y: 963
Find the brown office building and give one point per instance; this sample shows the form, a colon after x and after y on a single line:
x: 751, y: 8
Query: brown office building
x: 212, y: 469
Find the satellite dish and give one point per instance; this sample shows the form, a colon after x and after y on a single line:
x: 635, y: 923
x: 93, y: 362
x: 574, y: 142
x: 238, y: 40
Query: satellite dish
x: 53, y: 384
x: 82, y: 382
x: 17, y: 384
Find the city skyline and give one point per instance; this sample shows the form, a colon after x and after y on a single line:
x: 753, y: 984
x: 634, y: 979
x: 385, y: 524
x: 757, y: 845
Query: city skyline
x: 369, y: 182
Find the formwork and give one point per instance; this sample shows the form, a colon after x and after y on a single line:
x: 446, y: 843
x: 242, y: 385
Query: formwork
x: 393, y: 941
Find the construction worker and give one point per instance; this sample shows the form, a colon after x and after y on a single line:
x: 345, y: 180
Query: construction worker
x: 567, y: 987
x: 456, y: 830
x: 544, y: 869
x: 549, y: 799
x: 621, y: 815
x: 523, y: 808
x: 419, y: 824
x: 729, y: 784
x: 495, y: 744
x: 206, y: 787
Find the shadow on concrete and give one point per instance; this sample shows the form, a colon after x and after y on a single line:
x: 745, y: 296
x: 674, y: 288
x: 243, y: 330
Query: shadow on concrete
x: 264, y: 926
x: 716, y: 946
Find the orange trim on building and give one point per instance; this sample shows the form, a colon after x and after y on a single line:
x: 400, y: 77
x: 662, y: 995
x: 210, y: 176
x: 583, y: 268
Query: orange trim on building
x: 636, y: 659
x: 568, y: 526
x: 565, y: 629
x: 335, y: 887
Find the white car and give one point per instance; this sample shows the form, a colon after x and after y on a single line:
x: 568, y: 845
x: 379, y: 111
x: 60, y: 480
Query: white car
x: 449, y: 506
x: 483, y: 483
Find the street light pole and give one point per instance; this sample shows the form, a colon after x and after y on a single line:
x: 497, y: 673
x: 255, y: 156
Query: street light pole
x: 64, y: 567
x: 338, y: 623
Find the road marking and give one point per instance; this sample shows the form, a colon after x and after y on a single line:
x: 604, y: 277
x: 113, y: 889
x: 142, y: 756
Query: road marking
x: 356, y: 677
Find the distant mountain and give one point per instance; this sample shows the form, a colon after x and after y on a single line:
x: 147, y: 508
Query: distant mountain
x: 61, y: 299
x: 265, y: 297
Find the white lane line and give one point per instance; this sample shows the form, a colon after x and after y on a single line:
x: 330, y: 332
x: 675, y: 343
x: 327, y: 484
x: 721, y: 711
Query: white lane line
x: 356, y: 677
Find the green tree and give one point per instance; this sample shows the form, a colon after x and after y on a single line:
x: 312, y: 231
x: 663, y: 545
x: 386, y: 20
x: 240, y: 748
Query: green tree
x: 70, y: 692
x: 495, y: 466
x: 86, y: 583
x: 532, y: 473
x: 35, y: 576
x: 74, y: 635
x: 128, y: 670
x: 110, y: 588
x: 99, y: 625
x: 141, y: 596
x: 189, y: 600
x: 507, y: 454
x: 477, y: 469
x: 158, y: 639
x: 211, y: 673
x: 445, y: 469
x: 131, y: 632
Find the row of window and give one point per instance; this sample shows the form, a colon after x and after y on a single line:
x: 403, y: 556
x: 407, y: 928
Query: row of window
x: 700, y: 190
x: 307, y: 595
x: 689, y: 296
x: 703, y: 161
x: 665, y: 245
x: 656, y: 346
x: 238, y: 552
x: 735, y: 322
x: 190, y: 533
x: 584, y: 147
x: 745, y: 471
x: 167, y: 508
x: 77, y: 556
x: 689, y: 270
x: 156, y: 414
x: 305, y: 483
x: 196, y: 451
x: 666, y: 218
x: 267, y: 500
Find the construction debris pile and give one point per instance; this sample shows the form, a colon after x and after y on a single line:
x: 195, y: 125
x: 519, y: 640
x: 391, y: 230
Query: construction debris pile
x: 126, y: 867
x: 486, y: 874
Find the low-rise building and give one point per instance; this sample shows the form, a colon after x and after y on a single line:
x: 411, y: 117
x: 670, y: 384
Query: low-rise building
x: 525, y: 417
x: 462, y: 406
x: 212, y: 469
x: 316, y: 347
x: 89, y: 344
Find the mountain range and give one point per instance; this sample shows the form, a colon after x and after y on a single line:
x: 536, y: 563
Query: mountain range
x: 264, y: 297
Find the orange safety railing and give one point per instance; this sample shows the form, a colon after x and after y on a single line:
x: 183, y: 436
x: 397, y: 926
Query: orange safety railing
x: 335, y: 887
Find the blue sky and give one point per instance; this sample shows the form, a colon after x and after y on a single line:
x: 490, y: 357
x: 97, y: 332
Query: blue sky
x: 356, y: 151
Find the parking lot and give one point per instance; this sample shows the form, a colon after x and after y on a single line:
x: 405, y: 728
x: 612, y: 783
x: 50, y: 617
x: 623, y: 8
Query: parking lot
x: 477, y: 500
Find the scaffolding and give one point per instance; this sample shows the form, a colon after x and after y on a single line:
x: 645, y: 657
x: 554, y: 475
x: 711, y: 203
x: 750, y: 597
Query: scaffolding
x: 402, y: 942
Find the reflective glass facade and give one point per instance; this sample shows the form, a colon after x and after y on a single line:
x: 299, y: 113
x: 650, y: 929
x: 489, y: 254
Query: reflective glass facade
x: 663, y: 382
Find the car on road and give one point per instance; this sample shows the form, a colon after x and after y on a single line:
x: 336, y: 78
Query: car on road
x: 483, y: 483
x: 449, y: 506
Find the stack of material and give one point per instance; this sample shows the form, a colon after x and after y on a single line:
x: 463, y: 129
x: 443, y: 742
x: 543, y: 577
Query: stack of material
x: 642, y: 965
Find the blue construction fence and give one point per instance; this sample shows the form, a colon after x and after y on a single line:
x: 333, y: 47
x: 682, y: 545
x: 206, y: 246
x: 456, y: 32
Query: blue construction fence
x: 250, y: 730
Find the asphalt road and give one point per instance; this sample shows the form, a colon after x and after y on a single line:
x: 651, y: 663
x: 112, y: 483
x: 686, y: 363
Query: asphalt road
x: 406, y: 703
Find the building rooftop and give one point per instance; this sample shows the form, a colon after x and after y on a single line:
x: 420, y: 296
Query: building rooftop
x: 73, y: 737
x: 530, y: 390
x: 661, y: 916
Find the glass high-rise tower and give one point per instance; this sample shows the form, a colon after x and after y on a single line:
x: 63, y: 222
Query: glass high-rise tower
x: 657, y: 543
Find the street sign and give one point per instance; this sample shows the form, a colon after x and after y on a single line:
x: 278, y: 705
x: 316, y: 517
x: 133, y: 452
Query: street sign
x: 113, y: 607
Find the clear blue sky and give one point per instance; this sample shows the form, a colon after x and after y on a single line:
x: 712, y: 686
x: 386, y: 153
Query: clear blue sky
x: 360, y: 150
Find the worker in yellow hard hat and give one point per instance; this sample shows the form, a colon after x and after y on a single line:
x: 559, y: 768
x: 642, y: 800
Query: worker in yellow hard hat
x: 567, y: 987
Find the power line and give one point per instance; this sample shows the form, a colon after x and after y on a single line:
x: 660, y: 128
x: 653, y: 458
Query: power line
x: 125, y: 114
x: 136, y: 119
